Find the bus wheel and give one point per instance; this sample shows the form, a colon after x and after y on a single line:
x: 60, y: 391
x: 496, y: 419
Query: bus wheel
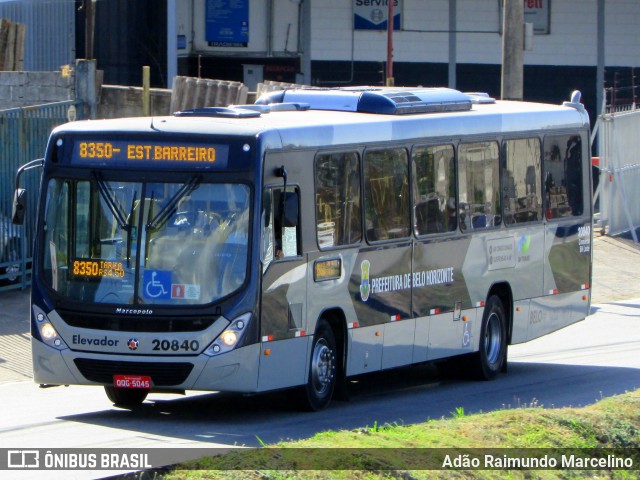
x: 126, y: 397
x: 489, y: 360
x: 322, y: 369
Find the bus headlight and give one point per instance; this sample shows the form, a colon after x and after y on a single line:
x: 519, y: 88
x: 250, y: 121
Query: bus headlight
x: 47, y: 331
x: 228, y: 339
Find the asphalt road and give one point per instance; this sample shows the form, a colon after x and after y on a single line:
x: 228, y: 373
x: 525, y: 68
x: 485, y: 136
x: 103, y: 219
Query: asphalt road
x: 576, y: 366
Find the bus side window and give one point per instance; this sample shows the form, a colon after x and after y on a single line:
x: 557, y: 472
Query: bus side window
x: 338, y: 210
x: 563, y: 176
x: 522, y: 193
x: 479, y: 185
x: 281, y: 213
x: 386, y: 194
x: 434, y: 187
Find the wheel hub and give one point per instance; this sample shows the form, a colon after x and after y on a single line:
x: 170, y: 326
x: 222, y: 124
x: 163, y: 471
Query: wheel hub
x: 322, y: 367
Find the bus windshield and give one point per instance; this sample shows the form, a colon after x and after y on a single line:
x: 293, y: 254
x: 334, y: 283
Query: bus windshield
x: 137, y: 243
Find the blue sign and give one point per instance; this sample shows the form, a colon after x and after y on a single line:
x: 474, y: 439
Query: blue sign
x: 227, y: 23
x: 156, y: 284
x: 372, y: 14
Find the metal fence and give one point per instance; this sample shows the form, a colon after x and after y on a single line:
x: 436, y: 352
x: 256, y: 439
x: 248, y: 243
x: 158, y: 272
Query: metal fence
x: 618, y: 192
x: 23, y: 137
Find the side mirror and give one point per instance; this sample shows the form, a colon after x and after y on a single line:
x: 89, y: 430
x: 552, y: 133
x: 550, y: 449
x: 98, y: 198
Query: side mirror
x: 19, y: 206
x: 20, y: 194
x: 290, y: 214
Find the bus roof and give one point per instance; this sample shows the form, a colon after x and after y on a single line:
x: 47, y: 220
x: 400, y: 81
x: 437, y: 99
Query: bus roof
x: 305, y: 125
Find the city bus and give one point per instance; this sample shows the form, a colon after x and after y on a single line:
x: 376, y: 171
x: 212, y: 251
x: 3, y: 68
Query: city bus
x: 317, y: 235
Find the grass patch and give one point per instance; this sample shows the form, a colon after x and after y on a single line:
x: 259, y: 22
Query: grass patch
x: 383, y: 451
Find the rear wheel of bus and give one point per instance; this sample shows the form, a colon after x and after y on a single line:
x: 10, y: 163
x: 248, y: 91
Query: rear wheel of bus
x: 126, y: 397
x: 321, y: 380
x: 489, y: 360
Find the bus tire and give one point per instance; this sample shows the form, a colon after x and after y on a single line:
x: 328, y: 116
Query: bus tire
x: 321, y: 380
x: 126, y: 397
x: 489, y: 360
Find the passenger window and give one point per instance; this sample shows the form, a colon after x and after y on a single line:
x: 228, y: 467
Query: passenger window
x: 338, y: 209
x: 563, y: 176
x: 434, y: 187
x: 521, y: 181
x: 386, y: 194
x: 281, y: 233
x: 479, y: 167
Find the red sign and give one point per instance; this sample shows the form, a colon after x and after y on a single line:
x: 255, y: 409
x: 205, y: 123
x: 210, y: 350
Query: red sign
x: 177, y: 290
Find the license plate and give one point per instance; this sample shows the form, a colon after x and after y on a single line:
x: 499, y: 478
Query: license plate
x: 131, y: 381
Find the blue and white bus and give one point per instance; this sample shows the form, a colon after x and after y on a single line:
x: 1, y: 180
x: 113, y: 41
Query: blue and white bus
x: 317, y: 235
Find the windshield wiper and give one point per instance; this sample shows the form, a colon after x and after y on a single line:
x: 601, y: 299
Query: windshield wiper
x: 112, y: 203
x: 125, y: 224
x: 172, y: 205
x: 130, y: 229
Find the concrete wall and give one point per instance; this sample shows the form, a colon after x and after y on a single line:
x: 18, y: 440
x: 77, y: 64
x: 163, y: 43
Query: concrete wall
x: 118, y: 101
x: 21, y: 89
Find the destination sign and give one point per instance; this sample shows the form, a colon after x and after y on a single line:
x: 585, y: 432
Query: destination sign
x: 131, y: 152
x: 88, y: 268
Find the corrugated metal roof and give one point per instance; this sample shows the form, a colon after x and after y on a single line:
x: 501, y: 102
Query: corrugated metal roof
x: 49, y: 34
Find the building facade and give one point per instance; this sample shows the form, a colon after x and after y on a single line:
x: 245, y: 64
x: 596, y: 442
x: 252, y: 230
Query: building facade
x: 577, y: 44
x: 590, y: 45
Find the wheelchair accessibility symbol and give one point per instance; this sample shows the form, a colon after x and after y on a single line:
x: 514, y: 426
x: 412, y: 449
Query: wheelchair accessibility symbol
x: 157, y: 284
x: 466, y: 335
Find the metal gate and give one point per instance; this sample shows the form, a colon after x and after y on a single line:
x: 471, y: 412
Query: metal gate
x: 23, y: 137
x: 618, y: 191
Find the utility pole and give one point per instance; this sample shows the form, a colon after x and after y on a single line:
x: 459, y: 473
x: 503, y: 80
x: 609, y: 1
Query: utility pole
x: 512, y: 50
x: 453, y: 27
x: 89, y: 23
x: 172, y: 43
x: 390, y: 81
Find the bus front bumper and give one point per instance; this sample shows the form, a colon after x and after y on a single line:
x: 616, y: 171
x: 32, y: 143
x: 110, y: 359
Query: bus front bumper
x: 234, y: 371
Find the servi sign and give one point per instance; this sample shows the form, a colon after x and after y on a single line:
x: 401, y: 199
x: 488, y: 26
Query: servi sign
x: 373, y: 14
